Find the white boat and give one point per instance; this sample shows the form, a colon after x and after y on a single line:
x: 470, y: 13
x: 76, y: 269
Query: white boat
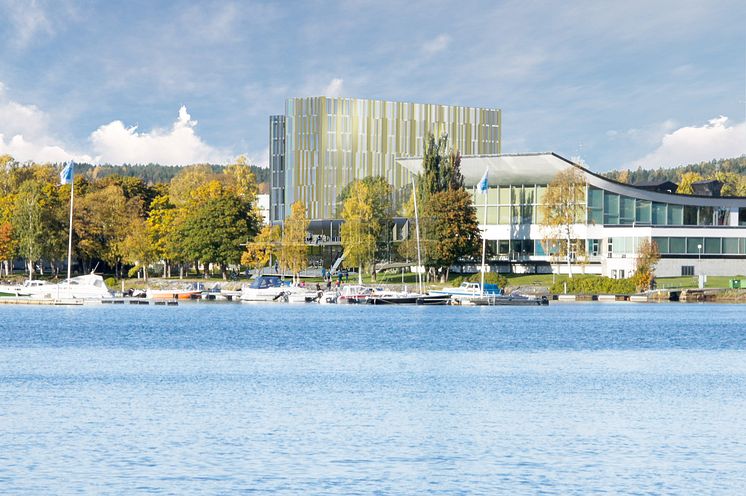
x: 328, y: 297
x: 28, y: 288
x: 87, y: 287
x: 354, y: 294
x: 265, y: 288
x: 192, y: 291
x: 469, y: 289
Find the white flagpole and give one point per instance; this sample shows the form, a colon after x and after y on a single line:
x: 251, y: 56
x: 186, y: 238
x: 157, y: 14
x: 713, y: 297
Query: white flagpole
x: 484, y: 239
x: 417, y: 228
x: 70, y: 232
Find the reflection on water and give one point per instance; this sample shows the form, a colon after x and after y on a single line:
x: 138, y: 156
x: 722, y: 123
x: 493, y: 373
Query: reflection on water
x: 314, y: 399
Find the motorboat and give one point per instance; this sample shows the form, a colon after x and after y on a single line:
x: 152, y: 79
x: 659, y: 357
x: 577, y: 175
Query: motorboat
x: 469, y: 289
x: 304, y: 296
x: 354, y: 294
x: 192, y: 291
x: 515, y: 298
x: 328, y: 297
x: 379, y: 297
x: 86, y: 287
x: 28, y: 288
x: 265, y: 288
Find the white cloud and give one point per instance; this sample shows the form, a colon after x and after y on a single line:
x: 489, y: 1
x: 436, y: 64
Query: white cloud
x: 334, y: 88
x: 25, y: 134
x: 116, y: 144
x: 437, y: 44
x: 716, y: 139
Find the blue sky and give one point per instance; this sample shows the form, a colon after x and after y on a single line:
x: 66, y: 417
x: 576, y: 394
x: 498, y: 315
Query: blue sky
x: 613, y: 83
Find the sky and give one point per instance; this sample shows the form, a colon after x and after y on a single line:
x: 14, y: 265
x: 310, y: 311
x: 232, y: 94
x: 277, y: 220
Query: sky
x: 612, y: 84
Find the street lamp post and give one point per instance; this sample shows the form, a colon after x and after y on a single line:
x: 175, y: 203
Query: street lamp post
x: 699, y: 249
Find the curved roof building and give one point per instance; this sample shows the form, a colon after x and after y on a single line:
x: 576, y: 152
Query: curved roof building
x: 695, y: 234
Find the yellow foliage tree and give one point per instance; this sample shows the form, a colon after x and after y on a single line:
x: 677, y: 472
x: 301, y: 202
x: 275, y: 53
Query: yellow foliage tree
x: 360, y: 228
x: 647, y: 257
x: 260, y: 251
x: 293, y: 249
x: 686, y: 181
x: 564, y: 207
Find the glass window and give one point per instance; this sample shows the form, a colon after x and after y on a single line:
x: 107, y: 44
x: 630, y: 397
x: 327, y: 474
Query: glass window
x: 504, y: 215
x: 611, y: 208
x: 503, y: 247
x: 705, y: 216
x: 491, y: 215
x: 742, y: 216
x: 540, y: 192
x: 662, y: 244
x: 595, y: 197
x: 659, y: 214
x: 712, y: 245
x: 516, y: 195
x: 694, y: 245
x: 730, y: 246
x: 596, y: 216
x: 491, y: 196
x: 690, y: 216
x: 626, y: 210
x: 539, y: 249
x: 593, y: 247
x: 480, y: 214
x: 675, y: 215
x: 676, y: 245
x: 504, y: 195
x: 722, y: 215
x: 643, y: 212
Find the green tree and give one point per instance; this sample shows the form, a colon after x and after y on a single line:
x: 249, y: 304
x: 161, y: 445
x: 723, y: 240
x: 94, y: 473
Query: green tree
x: 293, y: 249
x: 564, y: 207
x: 452, y: 229
x: 360, y: 228
x: 213, y: 231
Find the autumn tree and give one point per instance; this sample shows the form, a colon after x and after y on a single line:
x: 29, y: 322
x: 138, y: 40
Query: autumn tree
x: 293, y: 249
x: 28, y: 224
x: 360, y: 228
x: 260, y: 251
x: 137, y: 247
x: 161, y: 226
x: 648, y: 256
x: 8, y: 247
x: 380, y: 196
x: 563, y: 207
x: 686, y: 182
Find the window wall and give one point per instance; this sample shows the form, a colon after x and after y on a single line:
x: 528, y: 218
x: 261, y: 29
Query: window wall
x: 510, y: 205
x: 613, y: 209
x: 697, y: 245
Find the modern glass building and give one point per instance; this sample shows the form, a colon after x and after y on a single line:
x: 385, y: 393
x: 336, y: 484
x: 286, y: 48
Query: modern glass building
x: 321, y: 144
x: 695, y: 234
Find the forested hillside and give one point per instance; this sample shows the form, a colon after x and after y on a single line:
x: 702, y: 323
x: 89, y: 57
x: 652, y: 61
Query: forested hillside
x: 731, y: 171
x: 157, y: 174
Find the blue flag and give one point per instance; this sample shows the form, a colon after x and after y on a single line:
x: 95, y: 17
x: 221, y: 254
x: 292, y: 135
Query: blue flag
x: 482, y: 186
x: 66, y: 176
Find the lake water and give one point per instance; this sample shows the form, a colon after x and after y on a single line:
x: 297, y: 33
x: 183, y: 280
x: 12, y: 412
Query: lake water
x: 212, y: 398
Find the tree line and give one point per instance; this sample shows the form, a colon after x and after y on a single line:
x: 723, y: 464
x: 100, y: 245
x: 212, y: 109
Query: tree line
x: 202, y: 218
x: 730, y: 171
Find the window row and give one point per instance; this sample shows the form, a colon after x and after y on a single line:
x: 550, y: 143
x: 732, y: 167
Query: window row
x: 611, y: 208
x: 703, y: 246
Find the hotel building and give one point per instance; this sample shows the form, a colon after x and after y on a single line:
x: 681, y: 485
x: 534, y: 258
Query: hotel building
x: 321, y: 144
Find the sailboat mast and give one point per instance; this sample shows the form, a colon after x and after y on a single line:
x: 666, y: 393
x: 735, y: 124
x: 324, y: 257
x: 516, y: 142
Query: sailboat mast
x: 484, y: 241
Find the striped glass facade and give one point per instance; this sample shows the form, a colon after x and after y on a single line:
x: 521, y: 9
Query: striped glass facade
x: 330, y: 142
